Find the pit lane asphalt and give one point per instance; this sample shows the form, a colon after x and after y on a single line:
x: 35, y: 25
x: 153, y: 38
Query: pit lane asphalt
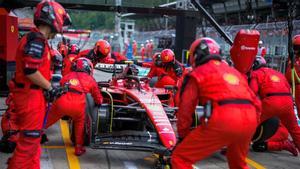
x: 59, y: 154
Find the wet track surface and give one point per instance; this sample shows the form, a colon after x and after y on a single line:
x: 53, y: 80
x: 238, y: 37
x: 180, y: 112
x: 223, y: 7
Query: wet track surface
x: 58, y: 153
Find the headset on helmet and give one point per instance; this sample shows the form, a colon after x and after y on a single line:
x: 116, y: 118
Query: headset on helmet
x: 73, y: 49
x: 82, y: 65
x: 102, y: 48
x: 167, y: 56
x: 202, y: 50
x: 52, y: 14
x: 259, y: 62
x: 157, y: 59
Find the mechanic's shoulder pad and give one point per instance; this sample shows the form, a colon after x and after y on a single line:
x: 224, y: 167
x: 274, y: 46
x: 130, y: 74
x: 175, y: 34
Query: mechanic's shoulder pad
x: 35, y: 45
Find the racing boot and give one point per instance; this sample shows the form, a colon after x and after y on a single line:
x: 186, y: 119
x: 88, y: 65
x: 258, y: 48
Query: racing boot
x: 79, y: 150
x: 283, y: 145
x: 259, y: 147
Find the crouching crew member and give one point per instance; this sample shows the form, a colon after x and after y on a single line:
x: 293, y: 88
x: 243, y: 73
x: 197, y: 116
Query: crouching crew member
x: 67, y: 61
x: 73, y: 103
x: 233, y: 106
x: 99, y: 54
x: 274, y: 91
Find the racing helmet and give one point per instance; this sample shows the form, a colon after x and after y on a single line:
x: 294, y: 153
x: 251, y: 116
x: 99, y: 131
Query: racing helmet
x: 52, y: 14
x: 157, y: 59
x: 296, y: 44
x: 259, y: 62
x: 167, y: 56
x: 102, y: 48
x: 74, y: 49
x: 82, y: 65
x: 131, y: 70
x: 202, y: 49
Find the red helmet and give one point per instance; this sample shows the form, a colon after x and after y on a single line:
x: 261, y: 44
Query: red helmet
x: 52, y: 14
x: 167, y: 56
x: 201, y: 49
x: 83, y: 65
x: 63, y: 50
x: 296, y: 44
x: 73, y: 49
x: 259, y: 62
x: 102, y: 48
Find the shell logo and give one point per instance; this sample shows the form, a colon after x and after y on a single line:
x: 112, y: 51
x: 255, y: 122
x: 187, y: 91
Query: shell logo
x: 74, y: 82
x: 60, y: 11
x: 171, y: 143
x: 231, y: 79
x: 167, y: 57
x: 275, y: 78
x: 216, y: 62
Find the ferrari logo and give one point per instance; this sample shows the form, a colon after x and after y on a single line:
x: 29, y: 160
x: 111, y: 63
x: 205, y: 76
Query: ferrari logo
x: 12, y: 28
x: 171, y: 143
x: 49, y: 56
x: 231, y: 79
x: 275, y: 78
x: 74, y: 82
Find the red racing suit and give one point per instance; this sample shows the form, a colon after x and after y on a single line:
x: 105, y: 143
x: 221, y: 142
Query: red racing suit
x: 233, y: 106
x: 166, y: 75
x: 142, y: 53
x: 8, y: 121
x: 280, y: 141
x: 73, y: 102
x: 89, y: 53
x: 67, y: 63
x: 288, y: 75
x: 274, y: 91
x: 118, y: 57
x: 33, y: 52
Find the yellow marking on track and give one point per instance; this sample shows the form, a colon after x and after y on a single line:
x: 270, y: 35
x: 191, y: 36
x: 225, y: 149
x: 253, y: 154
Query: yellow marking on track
x: 254, y: 164
x: 72, y: 159
x: 54, y: 147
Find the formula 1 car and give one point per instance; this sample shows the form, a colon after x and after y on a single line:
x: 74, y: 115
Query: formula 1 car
x: 132, y: 117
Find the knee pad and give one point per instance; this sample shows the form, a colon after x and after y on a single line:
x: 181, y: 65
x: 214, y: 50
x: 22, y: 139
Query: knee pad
x: 32, y: 133
x: 260, y: 147
x: 266, y: 130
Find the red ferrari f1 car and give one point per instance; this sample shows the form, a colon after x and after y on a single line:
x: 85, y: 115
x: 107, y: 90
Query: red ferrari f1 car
x: 132, y: 117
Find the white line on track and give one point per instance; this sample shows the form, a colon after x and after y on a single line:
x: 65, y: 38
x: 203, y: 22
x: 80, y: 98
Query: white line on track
x: 129, y: 165
x: 46, y: 161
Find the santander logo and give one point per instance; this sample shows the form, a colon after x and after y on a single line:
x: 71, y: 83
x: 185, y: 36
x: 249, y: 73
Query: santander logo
x: 243, y: 47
